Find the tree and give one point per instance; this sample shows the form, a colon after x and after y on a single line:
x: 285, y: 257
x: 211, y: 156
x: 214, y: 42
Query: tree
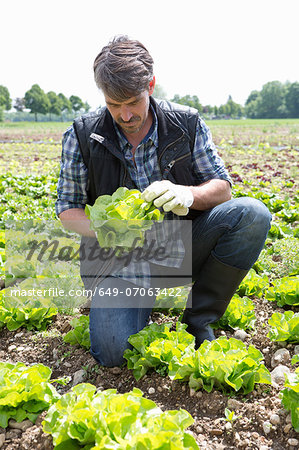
x: 56, y: 103
x: 5, y: 100
x: 159, y: 92
x: 86, y: 107
x: 76, y: 102
x: 37, y: 101
x: 19, y: 104
x: 272, y: 95
x: 252, y: 96
x: 252, y: 108
x: 187, y: 100
x: 292, y: 99
x: 66, y: 104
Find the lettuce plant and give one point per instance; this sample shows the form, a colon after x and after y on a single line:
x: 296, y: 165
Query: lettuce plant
x: 84, y: 418
x: 239, y: 314
x: 226, y: 365
x: 24, y: 391
x: 29, y: 318
x: 290, y: 397
x: 253, y: 284
x: 121, y: 218
x: 79, y: 335
x: 157, y: 347
x: 285, y: 291
x: 284, y: 327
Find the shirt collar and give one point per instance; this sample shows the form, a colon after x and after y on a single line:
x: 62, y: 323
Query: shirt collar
x: 151, y: 135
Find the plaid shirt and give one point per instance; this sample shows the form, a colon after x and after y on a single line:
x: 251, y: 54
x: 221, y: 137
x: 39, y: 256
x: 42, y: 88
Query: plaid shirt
x: 73, y: 178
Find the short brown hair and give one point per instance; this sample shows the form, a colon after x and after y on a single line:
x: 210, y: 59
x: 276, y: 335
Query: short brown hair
x: 123, y: 68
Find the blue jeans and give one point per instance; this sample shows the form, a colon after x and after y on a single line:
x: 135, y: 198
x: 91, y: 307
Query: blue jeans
x: 234, y: 232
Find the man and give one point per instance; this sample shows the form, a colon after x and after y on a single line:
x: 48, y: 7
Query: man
x: 165, y: 151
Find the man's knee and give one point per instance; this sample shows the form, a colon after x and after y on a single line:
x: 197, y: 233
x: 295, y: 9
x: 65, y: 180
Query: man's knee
x: 256, y: 214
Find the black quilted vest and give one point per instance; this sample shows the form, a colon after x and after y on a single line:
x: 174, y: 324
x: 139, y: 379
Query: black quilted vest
x: 106, y: 164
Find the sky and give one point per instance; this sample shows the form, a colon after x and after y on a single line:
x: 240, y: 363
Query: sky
x: 211, y: 48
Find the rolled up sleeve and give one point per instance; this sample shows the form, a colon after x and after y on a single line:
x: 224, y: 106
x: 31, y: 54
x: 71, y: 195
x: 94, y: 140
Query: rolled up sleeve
x: 206, y: 162
x: 72, y: 183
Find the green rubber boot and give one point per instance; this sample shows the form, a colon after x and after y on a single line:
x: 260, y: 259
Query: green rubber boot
x: 211, y: 294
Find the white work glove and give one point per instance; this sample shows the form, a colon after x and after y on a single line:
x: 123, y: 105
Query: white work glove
x: 172, y: 197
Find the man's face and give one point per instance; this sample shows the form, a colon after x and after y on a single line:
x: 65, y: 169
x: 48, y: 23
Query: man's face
x: 130, y: 114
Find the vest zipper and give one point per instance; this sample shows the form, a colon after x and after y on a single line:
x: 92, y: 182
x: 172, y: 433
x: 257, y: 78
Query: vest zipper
x: 172, y: 163
x: 167, y: 146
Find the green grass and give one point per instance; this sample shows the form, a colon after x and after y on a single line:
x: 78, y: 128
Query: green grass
x: 254, y: 122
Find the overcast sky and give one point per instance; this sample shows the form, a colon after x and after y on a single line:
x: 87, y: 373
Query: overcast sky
x: 211, y: 48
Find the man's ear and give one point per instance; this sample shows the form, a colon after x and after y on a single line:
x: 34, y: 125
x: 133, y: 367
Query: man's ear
x: 152, y: 86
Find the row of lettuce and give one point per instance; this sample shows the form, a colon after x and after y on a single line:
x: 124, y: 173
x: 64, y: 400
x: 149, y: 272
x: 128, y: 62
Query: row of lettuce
x: 87, y: 419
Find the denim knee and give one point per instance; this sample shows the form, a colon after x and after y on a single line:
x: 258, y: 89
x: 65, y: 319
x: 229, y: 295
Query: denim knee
x: 257, y: 215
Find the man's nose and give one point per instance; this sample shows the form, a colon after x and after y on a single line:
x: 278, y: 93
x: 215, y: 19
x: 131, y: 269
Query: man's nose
x: 125, y: 113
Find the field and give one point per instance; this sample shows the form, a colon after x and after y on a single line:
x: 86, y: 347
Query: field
x: 244, y: 412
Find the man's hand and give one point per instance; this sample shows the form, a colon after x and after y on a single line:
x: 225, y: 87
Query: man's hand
x: 172, y: 197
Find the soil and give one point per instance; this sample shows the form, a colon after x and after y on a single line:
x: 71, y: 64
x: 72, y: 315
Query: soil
x: 210, y: 428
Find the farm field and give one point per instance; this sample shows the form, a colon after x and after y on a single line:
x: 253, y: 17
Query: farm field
x: 244, y: 408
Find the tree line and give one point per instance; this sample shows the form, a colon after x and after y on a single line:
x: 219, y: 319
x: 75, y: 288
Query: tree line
x: 274, y: 100
x: 39, y: 102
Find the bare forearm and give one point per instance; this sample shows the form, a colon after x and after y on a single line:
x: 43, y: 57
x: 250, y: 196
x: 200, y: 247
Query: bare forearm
x: 210, y: 194
x: 76, y: 220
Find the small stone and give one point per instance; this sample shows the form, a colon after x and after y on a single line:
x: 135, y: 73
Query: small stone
x: 11, y: 348
x: 277, y: 374
x: 55, y: 353
x: 67, y: 364
x: 216, y: 432
x: 12, y: 434
x: 281, y: 356
x: 21, y: 348
x: 160, y: 389
x: 241, y: 335
x: 199, y: 429
x: 267, y: 427
x: 264, y: 447
x: 78, y: 377
x: 199, y: 394
x: 287, y: 428
x: 237, y: 437
x: 296, y: 350
x: 234, y: 404
x: 115, y: 370
x: 192, y: 392
x: 20, y: 425
x: 151, y: 390
x: 275, y: 419
x: 293, y: 442
x: 20, y: 334
x: 266, y: 350
x: 228, y: 426
x: 2, y: 439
